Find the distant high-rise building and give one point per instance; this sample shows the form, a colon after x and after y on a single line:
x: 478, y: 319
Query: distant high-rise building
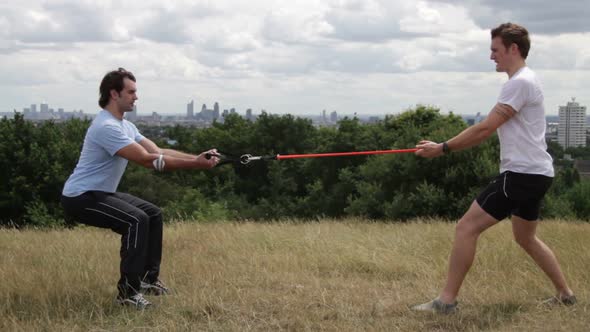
x: 44, y: 108
x: 33, y: 108
x: 249, y: 114
x: 571, y: 131
x: 216, y: 107
x: 190, y: 109
x: 156, y: 117
x: 334, y: 117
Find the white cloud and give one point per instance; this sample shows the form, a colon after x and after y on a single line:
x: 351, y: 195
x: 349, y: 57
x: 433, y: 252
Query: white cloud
x: 294, y: 25
x: 544, y: 17
x: 58, y: 21
x: 304, y: 56
x: 369, y: 21
x: 434, y: 19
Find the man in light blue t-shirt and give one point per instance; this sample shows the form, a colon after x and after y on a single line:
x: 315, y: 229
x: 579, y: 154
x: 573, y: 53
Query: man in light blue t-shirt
x: 90, y: 194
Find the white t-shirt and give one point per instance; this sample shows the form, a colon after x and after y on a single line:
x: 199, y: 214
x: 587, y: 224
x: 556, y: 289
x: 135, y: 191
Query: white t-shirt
x: 99, y: 169
x: 522, y: 138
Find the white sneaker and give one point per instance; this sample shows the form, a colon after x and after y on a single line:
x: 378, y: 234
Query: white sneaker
x: 137, y: 301
x: 437, y: 306
x: 560, y: 300
x: 156, y: 288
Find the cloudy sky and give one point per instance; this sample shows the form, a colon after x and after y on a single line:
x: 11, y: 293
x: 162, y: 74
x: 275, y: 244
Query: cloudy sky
x: 299, y: 57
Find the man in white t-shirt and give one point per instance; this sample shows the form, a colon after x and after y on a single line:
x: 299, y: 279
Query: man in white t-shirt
x: 526, y: 171
x: 90, y: 194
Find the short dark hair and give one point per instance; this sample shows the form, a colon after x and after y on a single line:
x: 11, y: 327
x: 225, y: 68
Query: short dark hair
x: 113, y: 80
x: 513, y: 33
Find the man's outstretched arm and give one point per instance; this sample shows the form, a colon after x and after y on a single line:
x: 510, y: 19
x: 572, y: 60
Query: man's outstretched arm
x: 151, y: 147
x: 471, y: 136
x: 136, y: 153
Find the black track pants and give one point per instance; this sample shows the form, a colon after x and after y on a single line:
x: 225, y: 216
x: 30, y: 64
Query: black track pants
x: 139, y: 223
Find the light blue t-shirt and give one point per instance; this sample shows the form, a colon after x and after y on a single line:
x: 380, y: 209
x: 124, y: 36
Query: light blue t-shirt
x: 99, y: 168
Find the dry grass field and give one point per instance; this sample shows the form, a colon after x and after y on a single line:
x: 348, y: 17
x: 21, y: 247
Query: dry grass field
x: 350, y: 275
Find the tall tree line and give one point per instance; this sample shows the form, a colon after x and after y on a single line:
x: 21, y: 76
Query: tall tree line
x: 36, y: 159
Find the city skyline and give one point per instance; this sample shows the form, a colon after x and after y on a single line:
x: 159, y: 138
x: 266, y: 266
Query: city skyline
x: 45, y: 112
x: 349, y: 56
x: 568, y: 129
x: 242, y: 110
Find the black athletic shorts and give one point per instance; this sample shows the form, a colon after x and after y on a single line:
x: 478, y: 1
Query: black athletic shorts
x: 516, y: 194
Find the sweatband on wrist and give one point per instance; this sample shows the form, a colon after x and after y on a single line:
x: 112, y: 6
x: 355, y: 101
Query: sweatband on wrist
x: 159, y: 163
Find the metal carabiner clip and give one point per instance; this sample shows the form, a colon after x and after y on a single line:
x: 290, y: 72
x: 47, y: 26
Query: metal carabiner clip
x: 247, y: 158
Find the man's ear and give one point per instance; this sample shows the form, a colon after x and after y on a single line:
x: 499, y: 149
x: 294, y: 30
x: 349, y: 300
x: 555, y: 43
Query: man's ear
x: 114, y: 94
x: 514, y: 48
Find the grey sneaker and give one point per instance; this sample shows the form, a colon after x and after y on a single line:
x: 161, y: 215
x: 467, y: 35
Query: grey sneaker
x: 561, y: 300
x: 137, y: 301
x: 437, y: 306
x: 156, y: 288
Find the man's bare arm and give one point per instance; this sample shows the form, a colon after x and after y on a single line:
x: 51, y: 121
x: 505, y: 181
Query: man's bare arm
x: 151, y: 147
x: 136, y: 153
x: 471, y: 136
